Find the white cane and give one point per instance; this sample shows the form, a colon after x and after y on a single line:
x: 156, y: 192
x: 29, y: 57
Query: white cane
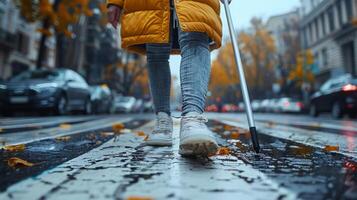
x: 252, y: 128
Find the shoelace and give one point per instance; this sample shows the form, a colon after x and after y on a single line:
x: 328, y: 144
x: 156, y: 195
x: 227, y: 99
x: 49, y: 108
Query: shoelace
x: 162, y: 125
x: 194, y: 121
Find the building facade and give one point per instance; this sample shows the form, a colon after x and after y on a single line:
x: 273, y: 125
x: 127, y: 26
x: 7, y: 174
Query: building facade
x: 19, y: 42
x: 327, y: 29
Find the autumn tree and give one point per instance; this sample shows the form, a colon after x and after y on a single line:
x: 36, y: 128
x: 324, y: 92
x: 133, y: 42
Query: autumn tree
x: 258, y: 56
x: 127, y: 73
x: 56, y: 18
x: 302, y: 73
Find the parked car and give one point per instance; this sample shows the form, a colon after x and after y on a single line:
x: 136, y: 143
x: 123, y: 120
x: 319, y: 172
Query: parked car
x: 138, y: 106
x: 101, y: 98
x: 58, y: 90
x: 148, y: 106
x: 289, y: 105
x: 338, y: 96
x: 212, y: 108
x: 264, y: 105
x: 124, y: 104
x: 256, y: 105
x: 229, y: 108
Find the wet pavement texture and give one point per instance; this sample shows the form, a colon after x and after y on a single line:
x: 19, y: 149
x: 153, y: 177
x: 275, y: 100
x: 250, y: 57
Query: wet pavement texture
x: 312, y: 173
x: 91, y: 166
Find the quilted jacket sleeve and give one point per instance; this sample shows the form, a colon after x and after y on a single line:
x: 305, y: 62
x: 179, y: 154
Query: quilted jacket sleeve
x: 119, y: 3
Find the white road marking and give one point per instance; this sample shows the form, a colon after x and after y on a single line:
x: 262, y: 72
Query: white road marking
x: 117, y: 170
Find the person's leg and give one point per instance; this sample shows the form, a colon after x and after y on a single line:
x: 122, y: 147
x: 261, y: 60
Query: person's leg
x: 195, y: 137
x: 160, y: 84
x: 159, y: 75
x: 195, y: 70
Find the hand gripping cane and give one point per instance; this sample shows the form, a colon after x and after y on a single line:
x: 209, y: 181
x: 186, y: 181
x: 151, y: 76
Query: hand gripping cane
x: 252, y: 128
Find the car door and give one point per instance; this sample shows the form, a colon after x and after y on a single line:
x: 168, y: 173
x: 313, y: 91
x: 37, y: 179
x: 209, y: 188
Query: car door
x: 70, y: 89
x: 82, y: 90
x: 321, y: 97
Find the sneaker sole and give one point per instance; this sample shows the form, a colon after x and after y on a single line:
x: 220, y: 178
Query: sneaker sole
x: 159, y: 143
x: 198, y: 149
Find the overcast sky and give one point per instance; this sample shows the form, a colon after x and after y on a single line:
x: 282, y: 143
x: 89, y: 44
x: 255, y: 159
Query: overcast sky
x: 242, y: 11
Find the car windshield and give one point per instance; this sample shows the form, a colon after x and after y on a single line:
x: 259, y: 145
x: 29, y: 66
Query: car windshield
x: 37, y: 75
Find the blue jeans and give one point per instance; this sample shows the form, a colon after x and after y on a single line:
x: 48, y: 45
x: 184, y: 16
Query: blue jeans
x: 194, y: 72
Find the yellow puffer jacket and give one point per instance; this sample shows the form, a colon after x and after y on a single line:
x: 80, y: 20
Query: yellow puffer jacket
x: 148, y: 21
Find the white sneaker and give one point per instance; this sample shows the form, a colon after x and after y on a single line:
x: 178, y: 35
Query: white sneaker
x: 195, y: 137
x: 162, y: 133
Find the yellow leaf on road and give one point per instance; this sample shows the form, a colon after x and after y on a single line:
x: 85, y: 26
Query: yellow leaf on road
x: 140, y: 133
x: 65, y: 126
x: 106, y: 134
x: 146, y: 138
x: 15, y: 148
x: 331, y: 148
x: 223, y: 151
x: 15, y: 162
x: 234, y: 135
x: 63, y: 138
x: 118, y: 127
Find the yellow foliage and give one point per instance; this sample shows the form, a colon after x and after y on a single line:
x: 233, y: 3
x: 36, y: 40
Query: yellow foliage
x: 15, y: 162
x: 60, y: 16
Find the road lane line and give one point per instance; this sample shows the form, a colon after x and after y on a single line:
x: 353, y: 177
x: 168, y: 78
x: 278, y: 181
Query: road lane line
x: 125, y: 168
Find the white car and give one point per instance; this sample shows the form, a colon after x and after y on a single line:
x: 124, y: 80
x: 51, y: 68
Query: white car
x: 124, y: 104
x: 290, y: 105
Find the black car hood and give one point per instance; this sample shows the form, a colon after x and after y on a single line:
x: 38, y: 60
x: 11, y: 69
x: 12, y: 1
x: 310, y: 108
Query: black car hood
x: 29, y: 83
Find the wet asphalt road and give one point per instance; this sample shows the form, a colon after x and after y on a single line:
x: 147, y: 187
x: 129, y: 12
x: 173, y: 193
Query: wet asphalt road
x: 295, y: 162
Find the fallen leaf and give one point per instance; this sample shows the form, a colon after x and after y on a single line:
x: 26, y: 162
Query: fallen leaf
x: 65, y: 126
x: 227, y: 127
x: 234, y: 135
x: 98, y: 143
x: 118, y: 127
x: 63, y: 138
x: 223, y: 151
x: 15, y: 148
x: 271, y: 124
x: 139, y: 198
x: 301, y: 150
x: 146, y: 138
x: 106, y: 134
x: 331, y: 148
x: 1, y: 130
x: 15, y: 162
x: 140, y: 133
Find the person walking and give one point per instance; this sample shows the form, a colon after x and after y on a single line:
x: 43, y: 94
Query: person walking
x: 157, y: 29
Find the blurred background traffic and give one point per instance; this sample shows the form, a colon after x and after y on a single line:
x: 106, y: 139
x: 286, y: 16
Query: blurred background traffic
x: 60, y: 57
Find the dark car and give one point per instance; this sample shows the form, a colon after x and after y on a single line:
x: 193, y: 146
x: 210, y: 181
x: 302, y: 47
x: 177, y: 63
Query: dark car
x: 102, y: 99
x: 58, y: 90
x: 338, y: 96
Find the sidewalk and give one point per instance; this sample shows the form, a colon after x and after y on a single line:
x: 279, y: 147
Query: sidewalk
x: 126, y: 168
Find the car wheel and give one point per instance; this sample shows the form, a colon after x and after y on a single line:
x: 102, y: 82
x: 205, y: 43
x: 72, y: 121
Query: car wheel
x: 337, y: 111
x: 62, y: 106
x: 88, y: 107
x: 313, y: 111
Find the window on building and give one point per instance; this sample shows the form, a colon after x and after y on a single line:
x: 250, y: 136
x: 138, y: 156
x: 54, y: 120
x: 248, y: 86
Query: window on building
x: 23, y: 43
x: 317, y: 29
x: 323, y: 25
x: 311, y: 34
x: 349, y: 10
x: 324, y: 57
x: 340, y: 12
x: 331, y: 20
